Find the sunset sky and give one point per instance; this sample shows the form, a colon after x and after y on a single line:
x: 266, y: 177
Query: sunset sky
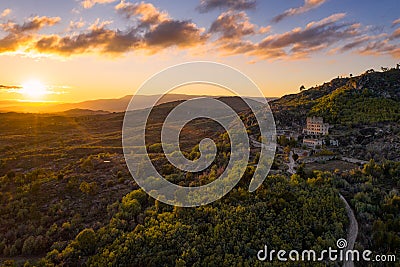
x: 75, y: 50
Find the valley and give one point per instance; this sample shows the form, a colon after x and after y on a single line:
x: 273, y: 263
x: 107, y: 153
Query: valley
x: 68, y: 199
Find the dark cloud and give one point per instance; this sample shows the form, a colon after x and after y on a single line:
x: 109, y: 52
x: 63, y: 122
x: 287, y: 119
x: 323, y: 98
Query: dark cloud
x: 9, y: 87
x: 155, y: 31
x: 380, y: 44
x: 20, y: 35
x: 380, y: 47
x: 233, y: 25
x: 355, y: 44
x: 299, y: 43
x: 314, y: 37
x: 92, y: 41
x: 395, y: 34
x: 308, y: 5
x: 12, y: 42
x: 175, y: 33
x: 33, y: 24
x: 231, y: 28
x: 208, y: 5
x: 235, y: 47
x: 232, y: 33
x: 122, y: 42
x: 146, y: 13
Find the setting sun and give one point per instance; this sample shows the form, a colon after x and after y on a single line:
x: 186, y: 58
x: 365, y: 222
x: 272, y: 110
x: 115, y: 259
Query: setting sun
x: 34, y: 89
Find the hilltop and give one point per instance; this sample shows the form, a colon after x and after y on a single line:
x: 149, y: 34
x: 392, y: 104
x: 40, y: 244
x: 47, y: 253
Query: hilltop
x: 368, y: 98
x: 363, y: 111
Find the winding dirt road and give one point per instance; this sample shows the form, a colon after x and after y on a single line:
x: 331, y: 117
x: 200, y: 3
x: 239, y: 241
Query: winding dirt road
x: 353, y: 227
x: 291, y: 164
x: 352, y: 231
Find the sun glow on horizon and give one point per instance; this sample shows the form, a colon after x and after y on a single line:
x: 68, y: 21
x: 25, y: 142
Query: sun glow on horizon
x: 34, y: 90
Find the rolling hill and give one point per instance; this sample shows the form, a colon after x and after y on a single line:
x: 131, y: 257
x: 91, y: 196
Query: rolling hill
x: 368, y: 98
x: 107, y: 105
x: 110, y: 105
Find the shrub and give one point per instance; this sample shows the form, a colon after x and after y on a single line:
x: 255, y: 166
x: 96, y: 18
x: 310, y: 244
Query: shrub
x: 86, y: 241
x: 88, y: 188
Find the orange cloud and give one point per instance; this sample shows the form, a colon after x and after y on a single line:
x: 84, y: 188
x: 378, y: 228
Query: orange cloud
x: 181, y: 34
x: 379, y: 47
x: 308, y: 5
x: 233, y: 25
x: 295, y: 44
x: 5, y: 13
x: 75, y: 25
x: 316, y: 36
x: 92, y: 41
x: 232, y: 33
x: 148, y: 13
x: 395, y: 22
x: 299, y: 43
x: 91, y: 3
x: 395, y: 34
x: 33, y: 24
x: 22, y: 35
x: 155, y: 31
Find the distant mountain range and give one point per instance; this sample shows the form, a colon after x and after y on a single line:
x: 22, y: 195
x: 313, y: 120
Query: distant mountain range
x: 94, y: 106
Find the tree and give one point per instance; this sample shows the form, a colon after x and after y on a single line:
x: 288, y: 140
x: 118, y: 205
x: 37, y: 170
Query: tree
x: 370, y: 71
x: 282, y: 140
x: 10, y: 263
x: 301, y: 171
x: 29, y: 246
x: 86, y: 241
x: 88, y: 188
x: 130, y: 206
x: 87, y: 164
x: 302, y: 88
x: 11, y: 175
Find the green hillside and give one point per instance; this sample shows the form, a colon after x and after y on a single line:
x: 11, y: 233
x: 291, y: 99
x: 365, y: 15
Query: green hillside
x: 368, y: 98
